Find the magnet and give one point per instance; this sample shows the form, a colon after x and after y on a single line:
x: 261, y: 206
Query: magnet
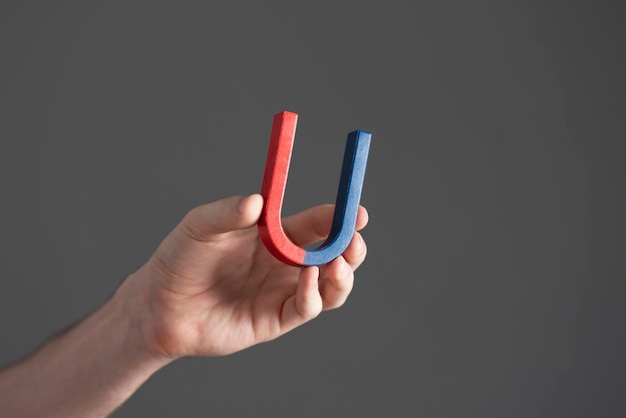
x: 273, y: 191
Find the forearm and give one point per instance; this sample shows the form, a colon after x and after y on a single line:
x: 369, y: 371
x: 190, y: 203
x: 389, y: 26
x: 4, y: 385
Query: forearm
x: 87, y: 371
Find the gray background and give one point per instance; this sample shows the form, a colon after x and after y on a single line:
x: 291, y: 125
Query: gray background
x: 494, y: 284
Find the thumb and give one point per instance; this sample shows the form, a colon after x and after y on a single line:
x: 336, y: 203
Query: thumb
x: 222, y: 216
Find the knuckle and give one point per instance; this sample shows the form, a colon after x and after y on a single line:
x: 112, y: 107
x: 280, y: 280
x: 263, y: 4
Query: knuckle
x: 308, y: 312
x: 336, y: 303
x: 190, y: 227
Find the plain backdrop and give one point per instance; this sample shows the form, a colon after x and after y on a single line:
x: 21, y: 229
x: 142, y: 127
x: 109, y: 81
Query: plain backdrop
x: 495, y: 280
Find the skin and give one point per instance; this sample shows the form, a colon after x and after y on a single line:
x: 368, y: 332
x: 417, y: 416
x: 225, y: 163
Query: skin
x: 210, y: 289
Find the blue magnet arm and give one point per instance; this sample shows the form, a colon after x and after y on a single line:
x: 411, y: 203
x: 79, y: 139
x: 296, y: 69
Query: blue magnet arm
x: 347, y: 203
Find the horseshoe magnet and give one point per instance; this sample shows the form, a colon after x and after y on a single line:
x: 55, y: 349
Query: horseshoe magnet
x: 273, y: 191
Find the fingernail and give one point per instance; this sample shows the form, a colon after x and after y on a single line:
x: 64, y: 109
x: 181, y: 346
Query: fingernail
x: 359, y: 241
x: 345, y: 268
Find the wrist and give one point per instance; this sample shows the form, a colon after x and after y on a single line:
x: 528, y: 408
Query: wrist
x: 131, y: 305
x: 90, y: 369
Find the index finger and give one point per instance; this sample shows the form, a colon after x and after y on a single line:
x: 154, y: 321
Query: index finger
x: 314, y: 224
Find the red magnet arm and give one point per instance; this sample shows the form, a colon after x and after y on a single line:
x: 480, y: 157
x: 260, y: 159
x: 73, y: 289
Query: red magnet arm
x: 273, y: 190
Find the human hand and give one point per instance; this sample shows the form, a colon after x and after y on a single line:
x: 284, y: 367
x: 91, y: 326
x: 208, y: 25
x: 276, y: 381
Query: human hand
x: 212, y: 288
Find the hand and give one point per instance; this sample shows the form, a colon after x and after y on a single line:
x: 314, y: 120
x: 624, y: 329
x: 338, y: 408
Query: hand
x: 212, y: 288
